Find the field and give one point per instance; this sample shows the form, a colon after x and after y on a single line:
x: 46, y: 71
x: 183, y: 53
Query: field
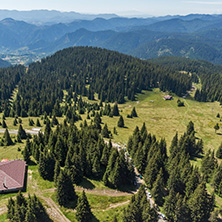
x: 162, y: 118
x: 165, y: 118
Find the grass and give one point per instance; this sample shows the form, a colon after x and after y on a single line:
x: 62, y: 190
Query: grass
x: 36, y: 182
x: 99, y: 206
x: 164, y: 118
x: 3, y: 217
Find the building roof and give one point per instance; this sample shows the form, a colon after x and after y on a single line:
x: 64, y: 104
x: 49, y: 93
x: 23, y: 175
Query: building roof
x: 12, y: 174
x: 168, y: 97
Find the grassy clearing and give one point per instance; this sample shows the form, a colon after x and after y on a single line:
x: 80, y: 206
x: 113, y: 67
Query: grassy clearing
x: 165, y: 118
x: 100, y: 206
x: 35, y: 182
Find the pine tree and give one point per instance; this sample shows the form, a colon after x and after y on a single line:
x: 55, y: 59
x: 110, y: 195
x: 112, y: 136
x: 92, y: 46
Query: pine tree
x: 105, y: 132
x: 201, y: 204
x: 169, y: 205
x: 120, y: 122
x: 216, y: 127
x: 21, y: 133
x: 7, y: 138
x: 83, y: 211
x: 158, y: 189
x: 47, y: 130
x: 133, y: 113
x: 11, y: 208
x: 65, y: 191
x: 190, y: 128
x: 115, y: 111
x: 4, y: 125
x: 219, y: 152
x: 15, y: 122
x: 56, y: 172
x: 26, y: 154
x: 38, y: 123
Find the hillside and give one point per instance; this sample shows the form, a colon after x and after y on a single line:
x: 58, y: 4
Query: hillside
x: 96, y: 120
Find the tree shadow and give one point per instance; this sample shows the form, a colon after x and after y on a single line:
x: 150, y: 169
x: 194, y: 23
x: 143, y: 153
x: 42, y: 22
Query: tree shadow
x: 219, y: 134
x: 94, y: 219
x: 71, y: 204
x: 86, y: 184
x: 32, y: 163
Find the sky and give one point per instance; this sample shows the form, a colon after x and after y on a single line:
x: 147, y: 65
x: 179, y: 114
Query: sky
x: 120, y: 7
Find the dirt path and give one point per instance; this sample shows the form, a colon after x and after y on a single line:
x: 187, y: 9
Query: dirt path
x: 105, y: 192
x: 54, y: 211
x: 117, y: 205
x: 3, y: 210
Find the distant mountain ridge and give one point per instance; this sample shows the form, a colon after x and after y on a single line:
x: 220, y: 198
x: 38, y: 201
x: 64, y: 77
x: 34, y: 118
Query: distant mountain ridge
x: 192, y: 36
x: 49, y: 16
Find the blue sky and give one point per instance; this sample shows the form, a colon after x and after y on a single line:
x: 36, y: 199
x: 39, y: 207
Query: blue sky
x: 122, y: 7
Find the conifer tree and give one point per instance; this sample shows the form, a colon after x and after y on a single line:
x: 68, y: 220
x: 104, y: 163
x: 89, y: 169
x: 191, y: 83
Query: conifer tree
x: 190, y: 128
x: 83, y: 211
x: 216, y: 127
x: 38, y: 123
x: 7, y: 138
x: 105, y: 132
x: 65, y: 191
x: 181, y: 211
x: 15, y: 122
x: 26, y: 154
x: 47, y: 130
x: 42, y: 166
x: 56, y: 172
x: 11, y: 208
x: 120, y: 122
x: 169, y: 205
x: 21, y: 133
x: 4, y: 125
x: 158, y: 189
x: 115, y: 111
x: 133, y: 113
x: 200, y: 204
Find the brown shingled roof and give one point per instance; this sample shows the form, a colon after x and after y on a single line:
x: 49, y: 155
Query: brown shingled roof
x: 12, y: 174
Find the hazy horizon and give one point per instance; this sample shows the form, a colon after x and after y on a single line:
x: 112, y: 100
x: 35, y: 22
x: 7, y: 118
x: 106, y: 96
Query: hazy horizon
x: 141, y: 8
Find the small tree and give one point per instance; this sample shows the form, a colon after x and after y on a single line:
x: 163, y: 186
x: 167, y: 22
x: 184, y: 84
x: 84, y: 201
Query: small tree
x: 38, y: 123
x: 120, y: 122
x: 83, y: 211
x: 7, y: 138
x: 133, y: 113
x: 115, y: 131
x: 105, y: 132
x: 21, y: 132
x: 4, y: 125
x: 15, y: 122
x: 216, y: 127
x: 115, y: 110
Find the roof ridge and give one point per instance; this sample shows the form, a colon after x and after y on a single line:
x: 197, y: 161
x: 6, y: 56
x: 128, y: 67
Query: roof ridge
x: 10, y: 177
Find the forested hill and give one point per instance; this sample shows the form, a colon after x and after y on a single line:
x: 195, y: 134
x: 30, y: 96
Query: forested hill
x: 86, y: 71
x: 208, y: 73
